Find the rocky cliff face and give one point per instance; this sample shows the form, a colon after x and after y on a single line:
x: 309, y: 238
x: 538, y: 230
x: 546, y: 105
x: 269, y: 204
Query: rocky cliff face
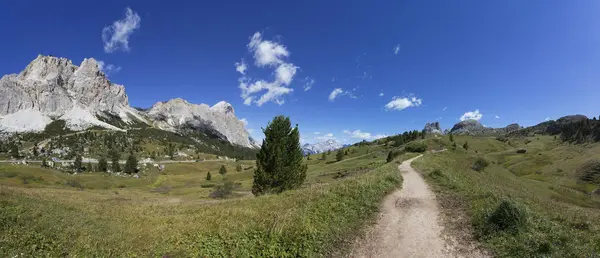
x: 321, y: 147
x: 218, y: 120
x: 433, y: 128
x: 53, y: 88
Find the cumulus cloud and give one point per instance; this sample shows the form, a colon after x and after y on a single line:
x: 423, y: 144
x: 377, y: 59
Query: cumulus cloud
x: 116, y: 36
x: 396, y: 49
x: 309, y: 82
x: 108, y: 68
x: 241, y: 67
x: 444, y: 109
x: 381, y: 94
x: 267, y: 54
x: 358, y: 134
x: 335, y: 93
x: 547, y: 118
x: 325, y: 137
x: 471, y: 115
x: 398, y: 103
x: 497, y: 117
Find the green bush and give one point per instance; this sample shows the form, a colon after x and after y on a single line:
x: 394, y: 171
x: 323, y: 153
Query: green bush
x: 416, y: 147
x: 207, y: 185
x: 480, y: 164
x: 506, y: 217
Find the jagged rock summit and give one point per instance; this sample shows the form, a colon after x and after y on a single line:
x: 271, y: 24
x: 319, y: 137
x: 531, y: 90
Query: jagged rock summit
x: 433, y: 128
x: 53, y: 88
x: 321, y: 147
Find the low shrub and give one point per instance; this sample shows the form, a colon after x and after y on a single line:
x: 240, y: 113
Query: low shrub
x: 480, y: 164
x: 393, y: 154
x: 520, y: 151
x: 225, y: 190
x: 74, y: 183
x: 416, y: 147
x: 207, y: 185
x: 506, y: 217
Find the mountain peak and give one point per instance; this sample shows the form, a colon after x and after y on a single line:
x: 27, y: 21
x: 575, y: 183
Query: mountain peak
x: 223, y: 107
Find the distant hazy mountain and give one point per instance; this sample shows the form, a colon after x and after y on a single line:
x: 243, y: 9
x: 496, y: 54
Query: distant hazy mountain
x: 320, y: 147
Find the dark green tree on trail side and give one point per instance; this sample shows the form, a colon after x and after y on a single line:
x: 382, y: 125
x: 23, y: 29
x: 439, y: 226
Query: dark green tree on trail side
x: 279, y: 163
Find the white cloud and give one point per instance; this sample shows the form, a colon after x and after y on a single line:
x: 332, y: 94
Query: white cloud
x: 358, y: 134
x: 444, y: 109
x: 267, y: 54
x: 241, y: 67
x: 497, y: 117
x: 396, y: 49
x: 398, y: 103
x: 116, y: 36
x: 309, y: 83
x: 471, y: 115
x: 244, y: 121
x: 324, y: 137
x: 317, y: 133
x: 547, y: 118
x: 335, y: 93
x: 108, y: 68
x: 381, y: 94
x: 333, y: 79
x: 340, y: 92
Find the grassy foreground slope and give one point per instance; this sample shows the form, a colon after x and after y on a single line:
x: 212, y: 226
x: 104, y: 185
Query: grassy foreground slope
x: 522, y: 204
x: 43, y: 218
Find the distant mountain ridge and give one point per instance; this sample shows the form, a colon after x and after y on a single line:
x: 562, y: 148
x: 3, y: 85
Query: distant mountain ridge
x: 52, y: 88
x: 321, y: 147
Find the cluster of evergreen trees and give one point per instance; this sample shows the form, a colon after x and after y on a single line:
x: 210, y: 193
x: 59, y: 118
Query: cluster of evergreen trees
x: 405, y: 137
x: 586, y: 130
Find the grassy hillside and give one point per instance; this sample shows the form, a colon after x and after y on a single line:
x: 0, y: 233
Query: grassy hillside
x: 520, y: 204
x: 49, y: 213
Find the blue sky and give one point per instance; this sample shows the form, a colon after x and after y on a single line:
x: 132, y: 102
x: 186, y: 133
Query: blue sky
x: 512, y: 61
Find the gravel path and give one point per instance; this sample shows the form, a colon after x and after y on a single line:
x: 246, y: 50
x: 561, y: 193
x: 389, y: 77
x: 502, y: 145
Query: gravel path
x: 409, y: 224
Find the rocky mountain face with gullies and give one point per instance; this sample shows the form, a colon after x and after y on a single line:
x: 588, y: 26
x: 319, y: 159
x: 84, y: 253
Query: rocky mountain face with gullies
x: 52, y: 88
x: 433, y: 128
x: 219, y: 120
x: 320, y: 147
x: 473, y: 127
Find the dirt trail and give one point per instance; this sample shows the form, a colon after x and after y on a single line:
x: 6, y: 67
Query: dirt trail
x: 409, y: 224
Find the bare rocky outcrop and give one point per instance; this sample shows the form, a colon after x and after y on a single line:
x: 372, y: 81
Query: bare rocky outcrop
x: 178, y: 114
x: 52, y: 88
x: 433, y: 128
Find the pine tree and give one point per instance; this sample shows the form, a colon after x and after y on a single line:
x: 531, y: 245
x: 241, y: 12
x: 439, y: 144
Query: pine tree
x: 131, y: 164
x: 324, y: 156
x: 14, y: 150
x: 340, y: 155
x: 238, y: 168
x: 328, y: 152
x: 77, y: 164
x: 208, y: 176
x: 171, y: 151
x: 102, y: 165
x: 279, y: 162
x: 114, y: 159
x: 466, y: 145
x: 390, y: 156
x: 89, y: 167
x: 451, y: 138
x: 44, y: 163
x: 223, y: 170
x: 35, y: 150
